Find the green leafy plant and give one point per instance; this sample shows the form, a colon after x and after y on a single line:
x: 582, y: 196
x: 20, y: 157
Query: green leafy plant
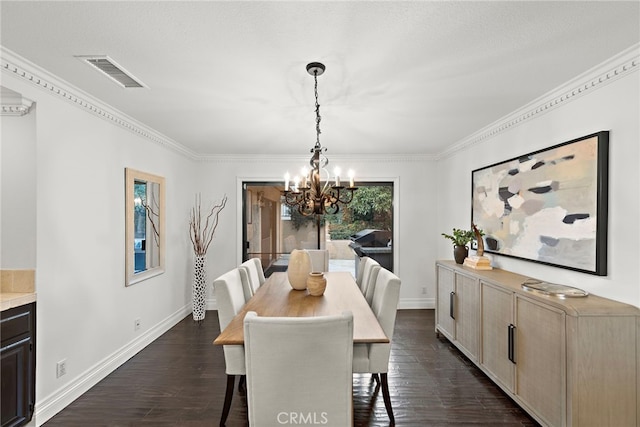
x: 461, y: 237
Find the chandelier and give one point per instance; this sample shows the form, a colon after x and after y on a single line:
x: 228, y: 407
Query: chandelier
x: 315, y: 193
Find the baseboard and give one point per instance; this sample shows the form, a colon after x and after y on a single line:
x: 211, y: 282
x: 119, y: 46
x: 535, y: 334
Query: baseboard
x: 416, y: 303
x: 61, y: 398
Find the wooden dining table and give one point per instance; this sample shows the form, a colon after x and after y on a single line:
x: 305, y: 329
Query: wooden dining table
x: 276, y: 298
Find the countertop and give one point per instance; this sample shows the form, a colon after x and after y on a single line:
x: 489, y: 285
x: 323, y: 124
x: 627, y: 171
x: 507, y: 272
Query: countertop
x: 17, y: 287
x: 15, y: 299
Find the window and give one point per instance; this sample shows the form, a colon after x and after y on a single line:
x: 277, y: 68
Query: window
x: 144, y: 202
x: 285, y: 212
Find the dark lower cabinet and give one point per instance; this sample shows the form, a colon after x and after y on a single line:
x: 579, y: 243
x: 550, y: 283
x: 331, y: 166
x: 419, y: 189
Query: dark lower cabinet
x: 18, y: 354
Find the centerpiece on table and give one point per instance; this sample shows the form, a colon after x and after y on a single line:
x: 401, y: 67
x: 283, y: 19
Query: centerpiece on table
x: 299, y: 269
x: 201, y: 232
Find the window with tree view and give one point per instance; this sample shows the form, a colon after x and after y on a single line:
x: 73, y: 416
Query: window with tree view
x: 144, y: 219
x: 145, y: 225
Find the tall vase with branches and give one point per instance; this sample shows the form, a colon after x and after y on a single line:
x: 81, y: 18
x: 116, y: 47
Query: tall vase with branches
x: 201, y: 231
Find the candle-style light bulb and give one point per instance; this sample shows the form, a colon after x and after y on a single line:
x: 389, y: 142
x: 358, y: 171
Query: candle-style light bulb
x: 351, y: 175
x: 296, y: 180
x: 287, y: 177
x: 336, y: 172
x: 305, y: 176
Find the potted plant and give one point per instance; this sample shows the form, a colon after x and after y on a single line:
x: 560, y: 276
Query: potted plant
x: 460, y: 239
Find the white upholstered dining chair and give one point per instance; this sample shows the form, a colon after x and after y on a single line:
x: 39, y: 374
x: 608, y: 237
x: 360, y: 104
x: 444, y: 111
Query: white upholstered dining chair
x: 319, y: 259
x: 299, y: 367
x: 359, y: 269
x: 230, y: 298
x: 255, y: 275
x: 370, y: 271
x: 374, y: 358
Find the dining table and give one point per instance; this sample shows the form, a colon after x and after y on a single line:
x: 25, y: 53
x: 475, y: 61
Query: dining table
x: 276, y: 298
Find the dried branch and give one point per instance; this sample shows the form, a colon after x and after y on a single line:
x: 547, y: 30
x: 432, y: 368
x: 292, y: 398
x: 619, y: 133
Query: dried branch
x: 201, y: 236
x: 154, y: 217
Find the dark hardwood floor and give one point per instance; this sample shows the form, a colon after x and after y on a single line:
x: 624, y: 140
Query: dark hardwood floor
x: 179, y: 380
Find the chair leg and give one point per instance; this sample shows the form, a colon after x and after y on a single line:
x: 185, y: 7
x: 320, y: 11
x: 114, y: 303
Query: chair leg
x: 387, y: 398
x: 231, y: 380
x: 241, y: 384
x: 376, y: 378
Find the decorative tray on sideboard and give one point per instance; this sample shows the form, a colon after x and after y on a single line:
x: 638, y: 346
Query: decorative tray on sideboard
x: 553, y: 289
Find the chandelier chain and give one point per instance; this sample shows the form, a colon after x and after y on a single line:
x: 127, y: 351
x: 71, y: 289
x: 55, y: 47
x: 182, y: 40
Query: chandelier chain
x: 318, y: 118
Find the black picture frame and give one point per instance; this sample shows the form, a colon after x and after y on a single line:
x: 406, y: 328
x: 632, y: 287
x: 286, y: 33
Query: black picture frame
x: 549, y: 206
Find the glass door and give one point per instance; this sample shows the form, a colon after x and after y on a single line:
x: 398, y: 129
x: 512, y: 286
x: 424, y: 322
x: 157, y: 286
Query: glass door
x: 362, y: 228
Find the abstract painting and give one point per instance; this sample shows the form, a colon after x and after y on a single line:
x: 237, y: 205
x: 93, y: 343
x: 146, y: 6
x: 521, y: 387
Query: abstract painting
x: 549, y: 206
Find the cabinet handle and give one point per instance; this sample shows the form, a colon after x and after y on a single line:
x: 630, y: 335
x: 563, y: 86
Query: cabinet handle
x: 452, y: 299
x: 511, y: 336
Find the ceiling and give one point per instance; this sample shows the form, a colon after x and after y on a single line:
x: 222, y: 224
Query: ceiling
x: 402, y: 77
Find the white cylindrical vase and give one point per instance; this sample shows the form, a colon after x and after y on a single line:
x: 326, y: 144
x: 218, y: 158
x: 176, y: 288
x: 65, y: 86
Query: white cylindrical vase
x: 299, y: 269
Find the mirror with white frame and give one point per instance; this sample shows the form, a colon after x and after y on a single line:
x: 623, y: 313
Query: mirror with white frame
x: 145, y: 218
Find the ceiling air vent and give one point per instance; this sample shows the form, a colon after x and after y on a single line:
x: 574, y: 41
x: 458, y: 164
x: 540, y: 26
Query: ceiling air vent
x: 112, y: 70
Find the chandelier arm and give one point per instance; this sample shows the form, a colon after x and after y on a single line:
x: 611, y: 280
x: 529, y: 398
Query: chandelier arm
x: 302, y: 211
x: 332, y: 208
x: 289, y: 198
x: 327, y: 185
x: 305, y: 205
x: 333, y: 195
x: 348, y: 197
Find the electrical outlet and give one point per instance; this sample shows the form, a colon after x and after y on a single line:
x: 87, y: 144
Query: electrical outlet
x: 61, y: 368
x: 424, y: 291
x: 136, y: 324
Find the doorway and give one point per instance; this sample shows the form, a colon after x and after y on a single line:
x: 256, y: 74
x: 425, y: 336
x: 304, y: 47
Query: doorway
x: 271, y: 229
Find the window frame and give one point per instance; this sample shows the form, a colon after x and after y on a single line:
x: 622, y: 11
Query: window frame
x: 133, y: 176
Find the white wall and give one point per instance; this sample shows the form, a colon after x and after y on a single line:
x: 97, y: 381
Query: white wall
x: 415, y: 211
x: 614, y: 106
x: 85, y: 314
x: 18, y: 169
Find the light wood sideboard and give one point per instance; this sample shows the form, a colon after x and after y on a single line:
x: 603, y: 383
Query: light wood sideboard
x: 567, y: 362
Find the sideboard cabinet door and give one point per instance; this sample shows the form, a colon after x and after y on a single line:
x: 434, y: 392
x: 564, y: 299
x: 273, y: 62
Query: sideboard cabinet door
x: 457, y: 312
x: 497, y: 319
x: 540, y: 358
x: 445, y: 313
x: 467, y: 311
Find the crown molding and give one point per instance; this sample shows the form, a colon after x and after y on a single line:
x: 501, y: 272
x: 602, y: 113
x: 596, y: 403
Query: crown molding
x: 295, y: 158
x: 37, y: 76
x: 626, y: 62
x: 16, y: 108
